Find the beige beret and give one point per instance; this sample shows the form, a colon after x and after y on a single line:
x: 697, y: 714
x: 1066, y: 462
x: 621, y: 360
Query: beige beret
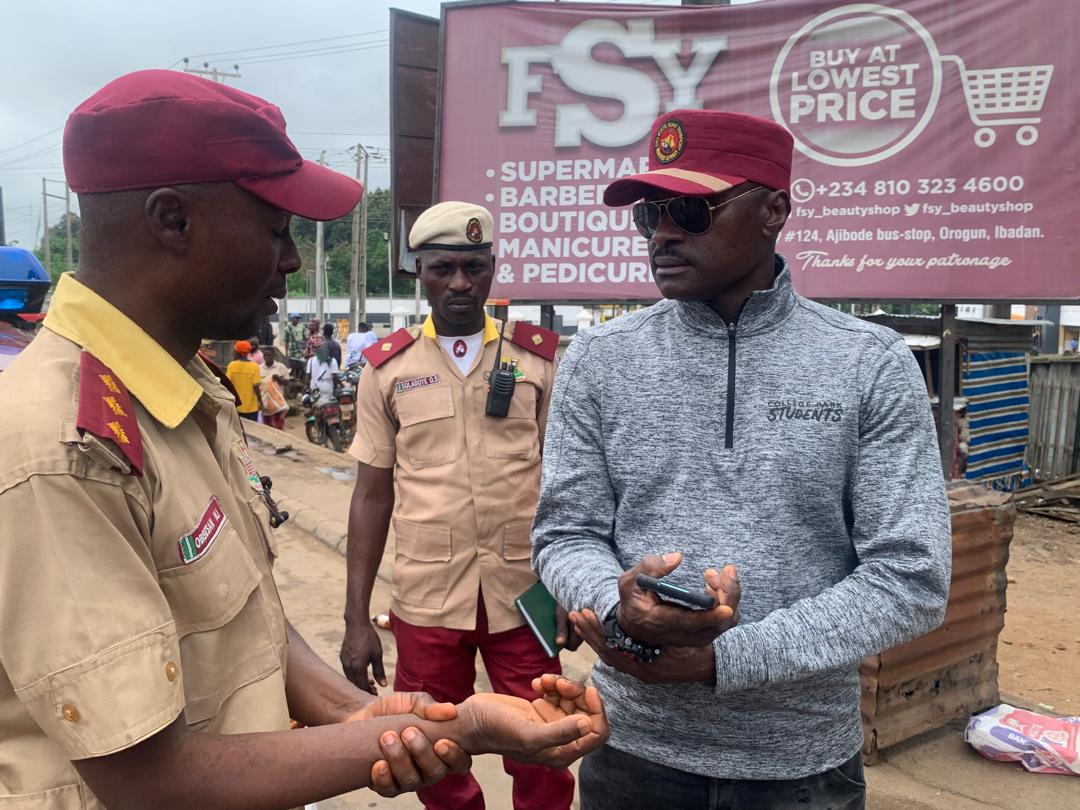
x: 452, y: 225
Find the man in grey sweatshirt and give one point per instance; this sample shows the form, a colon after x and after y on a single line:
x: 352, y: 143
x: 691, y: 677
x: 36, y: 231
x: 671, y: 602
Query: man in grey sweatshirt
x: 743, y: 441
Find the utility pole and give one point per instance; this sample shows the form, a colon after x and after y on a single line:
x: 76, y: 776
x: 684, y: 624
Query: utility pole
x: 390, y: 289
x: 67, y: 223
x: 283, y: 321
x: 213, y: 73
x: 358, y: 275
x: 320, y: 261
x: 46, y: 249
x: 47, y: 241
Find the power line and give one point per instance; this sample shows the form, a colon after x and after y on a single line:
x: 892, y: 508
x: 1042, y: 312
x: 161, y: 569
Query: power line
x: 36, y: 138
x: 277, y: 57
x: 281, y: 45
x: 309, y: 54
x: 29, y: 155
x: 30, y: 171
x: 352, y: 134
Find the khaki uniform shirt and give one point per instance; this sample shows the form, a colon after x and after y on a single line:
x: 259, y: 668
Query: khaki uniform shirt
x: 467, y: 484
x: 125, y: 599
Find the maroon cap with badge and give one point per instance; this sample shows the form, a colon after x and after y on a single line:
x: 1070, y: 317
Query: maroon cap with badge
x: 703, y: 152
x: 156, y: 128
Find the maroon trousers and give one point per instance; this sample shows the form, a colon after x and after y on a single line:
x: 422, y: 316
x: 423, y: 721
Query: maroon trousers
x: 442, y: 663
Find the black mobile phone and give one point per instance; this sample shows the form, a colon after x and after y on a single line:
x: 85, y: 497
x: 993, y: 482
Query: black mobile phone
x: 697, y: 599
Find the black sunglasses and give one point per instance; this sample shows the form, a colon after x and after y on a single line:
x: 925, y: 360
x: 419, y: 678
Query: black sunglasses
x: 692, y: 214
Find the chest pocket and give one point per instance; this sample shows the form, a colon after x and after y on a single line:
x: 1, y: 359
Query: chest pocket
x: 516, y: 435
x: 225, y: 641
x: 428, y: 435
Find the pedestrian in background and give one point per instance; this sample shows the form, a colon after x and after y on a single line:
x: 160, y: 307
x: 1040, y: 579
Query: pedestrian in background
x: 295, y: 337
x: 334, y: 346
x: 245, y: 377
x: 314, y: 338
x: 275, y: 375
x: 357, y: 342
x: 322, y: 372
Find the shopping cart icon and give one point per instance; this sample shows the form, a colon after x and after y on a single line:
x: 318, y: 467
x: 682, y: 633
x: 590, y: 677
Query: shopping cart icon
x: 1006, y: 96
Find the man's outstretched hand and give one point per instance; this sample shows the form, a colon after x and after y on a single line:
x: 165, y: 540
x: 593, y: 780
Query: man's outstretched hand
x: 566, y: 722
x: 646, y: 618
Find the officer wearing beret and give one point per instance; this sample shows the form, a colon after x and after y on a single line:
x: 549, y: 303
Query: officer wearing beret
x: 467, y: 483
x: 145, y: 660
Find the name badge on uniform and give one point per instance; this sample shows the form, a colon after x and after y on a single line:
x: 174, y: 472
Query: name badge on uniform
x: 419, y: 382
x: 249, y: 468
x: 194, y: 545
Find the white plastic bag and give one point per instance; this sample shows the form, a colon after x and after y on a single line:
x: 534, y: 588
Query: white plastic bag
x: 1040, y: 743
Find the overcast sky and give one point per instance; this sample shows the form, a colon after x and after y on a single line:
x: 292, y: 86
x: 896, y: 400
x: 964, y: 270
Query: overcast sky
x: 55, y: 53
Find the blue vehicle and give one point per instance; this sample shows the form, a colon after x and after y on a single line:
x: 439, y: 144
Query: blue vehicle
x: 23, y: 287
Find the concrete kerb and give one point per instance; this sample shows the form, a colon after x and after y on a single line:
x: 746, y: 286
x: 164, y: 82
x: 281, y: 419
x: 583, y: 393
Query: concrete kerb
x: 331, y: 533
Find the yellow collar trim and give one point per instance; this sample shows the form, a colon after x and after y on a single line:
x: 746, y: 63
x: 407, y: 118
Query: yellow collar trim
x: 152, y: 376
x: 491, y: 329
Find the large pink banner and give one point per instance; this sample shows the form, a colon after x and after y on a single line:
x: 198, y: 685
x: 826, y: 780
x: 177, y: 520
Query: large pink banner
x: 937, y: 141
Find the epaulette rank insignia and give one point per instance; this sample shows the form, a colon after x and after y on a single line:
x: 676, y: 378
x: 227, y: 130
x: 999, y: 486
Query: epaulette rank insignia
x: 105, y: 410
x: 379, y: 353
x: 542, y: 342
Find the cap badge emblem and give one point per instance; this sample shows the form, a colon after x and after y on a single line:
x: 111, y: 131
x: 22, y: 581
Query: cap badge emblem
x: 670, y: 141
x: 474, y: 232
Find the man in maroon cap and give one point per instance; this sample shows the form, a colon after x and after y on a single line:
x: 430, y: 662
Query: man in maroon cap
x: 145, y: 660
x: 771, y: 454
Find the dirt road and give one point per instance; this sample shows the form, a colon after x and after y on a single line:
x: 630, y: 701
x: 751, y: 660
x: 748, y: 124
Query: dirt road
x: 936, y: 771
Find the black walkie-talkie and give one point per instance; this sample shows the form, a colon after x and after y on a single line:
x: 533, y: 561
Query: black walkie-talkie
x: 501, y: 385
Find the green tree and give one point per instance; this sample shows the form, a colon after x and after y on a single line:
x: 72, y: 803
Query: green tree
x: 57, y: 241
x: 337, y: 242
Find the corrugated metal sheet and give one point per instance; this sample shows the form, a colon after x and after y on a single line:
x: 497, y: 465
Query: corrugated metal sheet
x: 951, y: 672
x: 995, y: 385
x: 1055, y: 415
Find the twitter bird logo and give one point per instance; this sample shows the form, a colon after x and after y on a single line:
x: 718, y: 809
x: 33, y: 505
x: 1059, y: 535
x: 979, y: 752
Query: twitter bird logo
x: 911, y: 210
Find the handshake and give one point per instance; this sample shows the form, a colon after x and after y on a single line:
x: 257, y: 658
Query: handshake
x: 566, y: 721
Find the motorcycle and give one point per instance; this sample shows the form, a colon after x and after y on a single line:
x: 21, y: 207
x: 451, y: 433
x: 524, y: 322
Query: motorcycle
x: 345, y: 394
x: 323, y: 420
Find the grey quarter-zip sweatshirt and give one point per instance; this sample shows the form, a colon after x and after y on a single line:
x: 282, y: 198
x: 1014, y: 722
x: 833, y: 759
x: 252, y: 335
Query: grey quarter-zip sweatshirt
x: 797, y: 444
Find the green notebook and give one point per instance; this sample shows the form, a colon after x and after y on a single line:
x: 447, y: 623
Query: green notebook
x: 537, y: 605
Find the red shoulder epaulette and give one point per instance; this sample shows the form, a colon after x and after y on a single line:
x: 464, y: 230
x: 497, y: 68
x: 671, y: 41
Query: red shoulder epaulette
x: 542, y: 342
x: 105, y: 410
x: 379, y: 353
x: 223, y: 378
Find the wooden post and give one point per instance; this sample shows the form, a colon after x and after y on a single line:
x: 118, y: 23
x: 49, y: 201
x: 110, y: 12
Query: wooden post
x: 947, y: 390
